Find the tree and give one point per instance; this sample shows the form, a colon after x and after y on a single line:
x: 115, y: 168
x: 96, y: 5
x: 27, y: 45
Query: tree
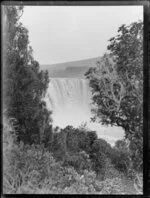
x: 120, y: 156
x: 91, y: 137
x: 24, y: 85
x: 117, y: 86
x: 121, y: 145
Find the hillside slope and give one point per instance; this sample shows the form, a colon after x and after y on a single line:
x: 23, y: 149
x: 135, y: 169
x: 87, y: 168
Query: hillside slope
x: 74, y: 69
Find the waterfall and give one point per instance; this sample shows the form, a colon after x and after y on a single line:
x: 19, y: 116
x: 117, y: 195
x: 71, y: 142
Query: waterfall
x: 70, y: 101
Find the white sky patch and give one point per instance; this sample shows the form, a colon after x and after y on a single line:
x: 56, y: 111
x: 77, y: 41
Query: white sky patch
x: 67, y: 33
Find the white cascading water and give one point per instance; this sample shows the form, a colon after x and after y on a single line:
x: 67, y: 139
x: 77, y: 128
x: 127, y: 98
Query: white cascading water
x: 70, y: 101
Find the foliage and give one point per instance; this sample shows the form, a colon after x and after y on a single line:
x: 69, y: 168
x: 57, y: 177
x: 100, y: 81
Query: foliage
x: 79, y: 161
x: 81, y: 149
x: 91, y: 137
x: 102, y: 146
x: 117, y: 87
x: 121, y: 156
x: 112, y: 186
x: 120, y: 160
x: 99, y: 154
x: 72, y: 139
x: 9, y: 139
x: 32, y: 169
x: 23, y: 83
x: 121, y: 145
x: 73, y: 160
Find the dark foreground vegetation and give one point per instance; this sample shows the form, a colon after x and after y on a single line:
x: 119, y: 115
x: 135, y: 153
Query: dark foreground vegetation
x: 42, y: 160
x: 74, y: 161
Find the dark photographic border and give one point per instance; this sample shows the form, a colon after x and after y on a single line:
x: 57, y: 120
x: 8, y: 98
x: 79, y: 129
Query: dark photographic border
x: 146, y: 72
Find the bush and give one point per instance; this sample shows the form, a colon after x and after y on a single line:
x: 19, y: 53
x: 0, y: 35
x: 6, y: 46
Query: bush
x: 91, y: 137
x: 79, y: 161
x: 112, y: 186
x: 102, y: 146
x: 72, y: 140
x: 120, y: 156
x: 99, y: 153
x: 120, y: 160
x: 29, y: 165
x: 32, y: 169
x: 83, y: 184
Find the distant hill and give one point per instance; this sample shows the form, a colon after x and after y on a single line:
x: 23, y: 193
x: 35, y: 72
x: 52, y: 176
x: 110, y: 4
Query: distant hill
x: 74, y: 69
x: 69, y: 72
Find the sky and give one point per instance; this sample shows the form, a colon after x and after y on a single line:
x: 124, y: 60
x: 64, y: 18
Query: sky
x: 67, y: 33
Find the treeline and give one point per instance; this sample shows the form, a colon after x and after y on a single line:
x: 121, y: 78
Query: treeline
x: 117, y: 86
x: 24, y: 84
x: 82, y: 149
x: 74, y: 161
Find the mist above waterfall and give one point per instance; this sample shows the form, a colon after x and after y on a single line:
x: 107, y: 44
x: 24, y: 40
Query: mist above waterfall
x: 70, y: 101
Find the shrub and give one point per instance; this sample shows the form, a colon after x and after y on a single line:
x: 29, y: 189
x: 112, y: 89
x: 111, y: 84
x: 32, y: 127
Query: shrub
x: 32, y: 169
x: 26, y: 167
x: 79, y: 161
x: 120, y: 156
x: 84, y: 184
x: 9, y: 146
x: 99, y: 154
x: 102, y: 146
x: 73, y: 141
x: 29, y: 164
x: 90, y: 137
x: 112, y: 186
x: 120, y: 160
